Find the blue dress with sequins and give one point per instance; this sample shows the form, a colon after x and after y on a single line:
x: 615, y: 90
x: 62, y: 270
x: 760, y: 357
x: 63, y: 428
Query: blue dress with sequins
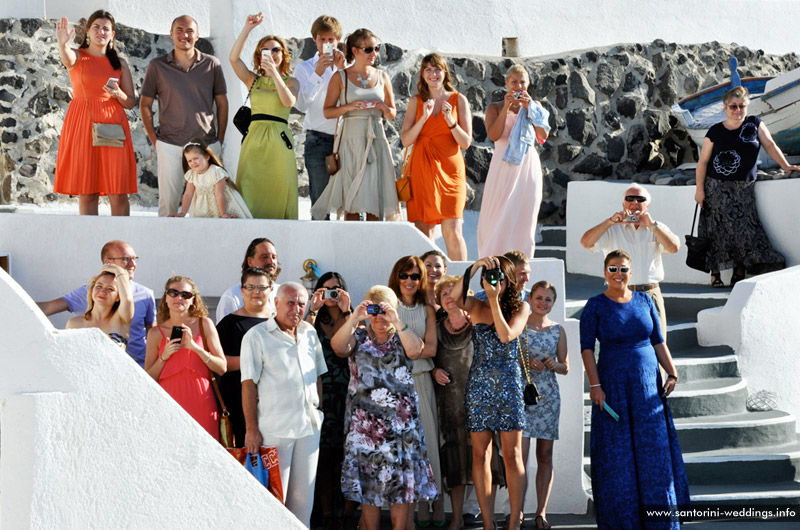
x: 494, y: 387
x: 636, y: 461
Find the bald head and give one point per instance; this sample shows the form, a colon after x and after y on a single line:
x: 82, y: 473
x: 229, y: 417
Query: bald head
x: 120, y: 253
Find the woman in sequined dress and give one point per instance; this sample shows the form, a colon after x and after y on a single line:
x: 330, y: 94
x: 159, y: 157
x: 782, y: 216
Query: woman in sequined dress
x: 494, y: 400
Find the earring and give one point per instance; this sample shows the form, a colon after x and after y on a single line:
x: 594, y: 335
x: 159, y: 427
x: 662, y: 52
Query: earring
x: 111, y: 45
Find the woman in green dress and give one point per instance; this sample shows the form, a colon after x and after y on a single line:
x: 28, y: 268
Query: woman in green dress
x: 267, y: 173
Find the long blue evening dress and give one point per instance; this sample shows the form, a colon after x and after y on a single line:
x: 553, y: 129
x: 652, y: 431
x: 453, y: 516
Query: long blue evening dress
x: 636, y: 462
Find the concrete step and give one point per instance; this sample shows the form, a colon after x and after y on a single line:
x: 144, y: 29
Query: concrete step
x: 681, y: 336
x: 685, y: 306
x: 704, y: 397
x: 553, y: 236
x: 705, y: 363
x: 550, y: 251
x: 737, y: 494
x: 746, y: 429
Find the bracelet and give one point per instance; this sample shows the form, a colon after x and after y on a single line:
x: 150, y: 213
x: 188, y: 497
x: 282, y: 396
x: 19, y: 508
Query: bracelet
x: 594, y: 386
x: 670, y: 376
x: 404, y: 328
x: 209, y: 357
x: 347, y: 313
x: 454, y: 126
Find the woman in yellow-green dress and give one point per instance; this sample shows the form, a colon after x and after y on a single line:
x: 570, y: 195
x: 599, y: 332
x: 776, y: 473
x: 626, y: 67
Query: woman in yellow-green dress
x: 267, y: 173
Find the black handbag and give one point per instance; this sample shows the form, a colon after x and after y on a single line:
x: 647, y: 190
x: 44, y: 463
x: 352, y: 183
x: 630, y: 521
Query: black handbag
x: 696, y: 248
x: 241, y: 120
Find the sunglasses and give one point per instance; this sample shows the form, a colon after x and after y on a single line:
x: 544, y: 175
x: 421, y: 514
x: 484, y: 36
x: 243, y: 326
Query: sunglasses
x: 613, y: 269
x: 415, y: 277
x: 186, y: 295
x: 272, y: 50
x: 370, y: 49
x: 740, y: 106
x: 259, y: 288
x: 635, y: 198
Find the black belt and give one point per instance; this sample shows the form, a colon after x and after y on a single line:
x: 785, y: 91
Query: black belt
x: 324, y: 136
x: 267, y: 117
x: 643, y: 287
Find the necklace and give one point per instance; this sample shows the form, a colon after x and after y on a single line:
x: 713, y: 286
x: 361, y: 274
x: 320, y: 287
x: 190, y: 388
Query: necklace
x: 364, y: 82
x: 456, y: 331
x: 375, y: 339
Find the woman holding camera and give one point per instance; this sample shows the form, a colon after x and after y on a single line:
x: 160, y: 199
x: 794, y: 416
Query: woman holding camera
x: 328, y: 311
x: 384, y: 461
x: 361, y: 95
x: 177, y: 355
x: 513, y: 192
x: 409, y: 281
x: 267, y: 174
x: 494, y: 393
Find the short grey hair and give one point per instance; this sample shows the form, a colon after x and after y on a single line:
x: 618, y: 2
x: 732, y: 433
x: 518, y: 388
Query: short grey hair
x: 641, y: 189
x: 293, y: 286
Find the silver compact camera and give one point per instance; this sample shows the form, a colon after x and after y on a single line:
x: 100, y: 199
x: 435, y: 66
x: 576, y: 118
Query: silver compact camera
x: 330, y: 294
x: 632, y: 219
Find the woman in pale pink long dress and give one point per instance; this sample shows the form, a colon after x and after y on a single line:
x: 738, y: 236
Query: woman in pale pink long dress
x: 513, y: 193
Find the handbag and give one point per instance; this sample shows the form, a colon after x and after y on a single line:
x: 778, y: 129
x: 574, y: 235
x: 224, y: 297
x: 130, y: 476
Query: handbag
x: 225, y: 426
x: 403, y: 184
x: 531, y: 393
x: 263, y: 467
x: 241, y: 120
x: 696, y: 248
x: 104, y: 134
x: 332, y: 160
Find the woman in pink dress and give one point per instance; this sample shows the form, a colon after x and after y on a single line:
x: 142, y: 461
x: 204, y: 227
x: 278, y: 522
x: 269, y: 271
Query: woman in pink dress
x: 513, y: 192
x: 181, y: 365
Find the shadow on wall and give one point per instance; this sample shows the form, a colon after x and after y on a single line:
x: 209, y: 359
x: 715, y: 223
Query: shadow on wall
x: 89, y: 439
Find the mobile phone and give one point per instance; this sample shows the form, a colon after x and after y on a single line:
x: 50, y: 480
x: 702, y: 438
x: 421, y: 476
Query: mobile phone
x: 371, y: 104
x: 177, y: 333
x: 265, y: 55
x: 111, y: 81
x: 330, y: 294
x: 374, y: 309
x: 327, y: 48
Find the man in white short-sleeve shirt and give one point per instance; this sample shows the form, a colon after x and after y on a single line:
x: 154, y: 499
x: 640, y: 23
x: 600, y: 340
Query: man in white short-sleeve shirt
x: 260, y: 253
x: 634, y: 231
x: 281, y: 364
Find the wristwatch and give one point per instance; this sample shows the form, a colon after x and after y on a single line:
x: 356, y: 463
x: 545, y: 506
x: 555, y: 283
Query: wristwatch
x: 654, y: 225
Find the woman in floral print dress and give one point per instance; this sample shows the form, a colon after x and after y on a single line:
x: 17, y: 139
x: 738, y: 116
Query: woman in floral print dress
x: 385, y: 462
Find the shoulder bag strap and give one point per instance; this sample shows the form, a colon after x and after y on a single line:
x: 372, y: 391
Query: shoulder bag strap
x: 210, y: 374
x: 406, y: 162
x: 525, y: 358
x: 252, y: 85
x: 694, y: 218
x: 85, y: 98
x: 338, y: 133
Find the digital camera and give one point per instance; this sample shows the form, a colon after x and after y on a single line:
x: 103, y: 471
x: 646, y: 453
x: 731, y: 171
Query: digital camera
x: 330, y: 294
x: 374, y: 309
x: 493, y: 276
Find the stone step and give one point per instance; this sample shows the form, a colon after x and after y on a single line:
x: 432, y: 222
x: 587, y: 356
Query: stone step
x: 550, y: 251
x: 762, y: 465
x: 703, y: 397
x: 553, y: 236
x: 681, y: 336
x: 787, y: 493
x: 705, y: 363
x: 685, y: 306
x: 746, y: 429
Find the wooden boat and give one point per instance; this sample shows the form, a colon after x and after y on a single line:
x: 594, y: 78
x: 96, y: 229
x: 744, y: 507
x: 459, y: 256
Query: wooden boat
x: 775, y: 99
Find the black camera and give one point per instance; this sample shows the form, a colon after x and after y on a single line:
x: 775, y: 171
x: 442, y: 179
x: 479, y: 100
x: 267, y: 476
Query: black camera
x: 493, y: 276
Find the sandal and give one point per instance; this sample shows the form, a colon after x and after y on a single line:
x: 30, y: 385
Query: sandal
x: 716, y: 281
x: 541, y: 523
x: 738, y: 275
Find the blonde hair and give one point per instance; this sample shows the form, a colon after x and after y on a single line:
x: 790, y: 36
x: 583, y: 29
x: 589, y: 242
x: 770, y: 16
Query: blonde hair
x: 738, y: 92
x: 517, y: 69
x: 443, y: 283
x: 381, y: 293
x: 326, y: 24
x: 90, y: 289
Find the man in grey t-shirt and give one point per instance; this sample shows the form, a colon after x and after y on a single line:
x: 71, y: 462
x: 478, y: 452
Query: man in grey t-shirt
x: 187, y: 84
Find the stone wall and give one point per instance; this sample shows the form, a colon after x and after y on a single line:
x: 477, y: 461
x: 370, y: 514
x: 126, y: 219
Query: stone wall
x: 609, y: 107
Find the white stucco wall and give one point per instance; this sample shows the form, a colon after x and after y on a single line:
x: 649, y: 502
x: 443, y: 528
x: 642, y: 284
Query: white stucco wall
x: 477, y: 27
x: 89, y: 440
x: 759, y: 322
x: 591, y: 202
x: 211, y: 251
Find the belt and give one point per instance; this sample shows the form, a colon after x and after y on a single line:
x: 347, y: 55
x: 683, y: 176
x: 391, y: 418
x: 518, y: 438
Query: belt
x: 643, y: 287
x: 323, y: 135
x: 267, y: 117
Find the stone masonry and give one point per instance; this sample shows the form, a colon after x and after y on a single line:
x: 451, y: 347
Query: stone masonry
x: 609, y: 108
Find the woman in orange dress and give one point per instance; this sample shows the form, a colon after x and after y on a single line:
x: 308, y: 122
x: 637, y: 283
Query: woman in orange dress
x: 181, y: 365
x: 438, y: 124
x: 102, y: 89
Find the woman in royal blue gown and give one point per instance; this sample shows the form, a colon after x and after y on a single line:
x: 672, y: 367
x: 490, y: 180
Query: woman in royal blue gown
x: 636, y: 461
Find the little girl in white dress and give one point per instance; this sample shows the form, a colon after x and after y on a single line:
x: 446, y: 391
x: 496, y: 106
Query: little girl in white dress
x: 209, y: 190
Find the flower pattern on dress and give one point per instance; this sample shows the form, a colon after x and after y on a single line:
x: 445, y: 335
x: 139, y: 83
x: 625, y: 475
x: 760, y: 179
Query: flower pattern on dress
x: 383, y: 398
x: 541, y: 420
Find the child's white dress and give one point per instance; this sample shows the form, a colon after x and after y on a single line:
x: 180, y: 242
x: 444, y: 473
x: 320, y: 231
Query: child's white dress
x: 204, y: 202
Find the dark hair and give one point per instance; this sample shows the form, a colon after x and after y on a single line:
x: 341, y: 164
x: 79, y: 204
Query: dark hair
x: 251, y: 251
x: 111, y: 51
x: 432, y: 59
x: 433, y: 253
x: 509, y: 300
x: 406, y: 263
x: 353, y: 41
x: 619, y: 253
x: 323, y: 316
x: 256, y: 271
x: 286, y: 62
x: 544, y: 284
x: 326, y: 24
x: 197, y: 309
x: 196, y: 144
x: 174, y: 20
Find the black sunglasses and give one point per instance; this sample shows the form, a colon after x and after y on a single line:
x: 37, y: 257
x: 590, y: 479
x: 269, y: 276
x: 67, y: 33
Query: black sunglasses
x: 186, y: 295
x: 635, y: 198
x: 613, y: 269
x: 370, y: 49
x: 415, y: 277
x: 272, y: 50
